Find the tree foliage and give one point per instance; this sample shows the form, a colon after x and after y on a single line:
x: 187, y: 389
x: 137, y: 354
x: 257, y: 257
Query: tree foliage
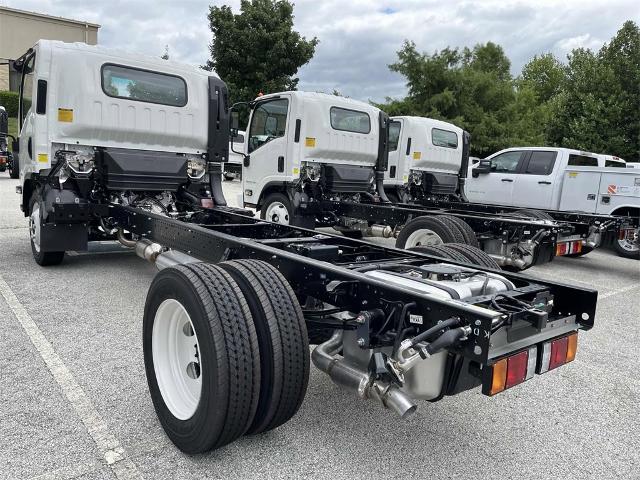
x: 257, y: 50
x: 591, y: 103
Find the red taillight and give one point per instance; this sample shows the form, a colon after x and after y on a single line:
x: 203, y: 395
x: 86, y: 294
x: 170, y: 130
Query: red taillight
x: 517, y: 368
x: 567, y: 248
x: 558, y: 353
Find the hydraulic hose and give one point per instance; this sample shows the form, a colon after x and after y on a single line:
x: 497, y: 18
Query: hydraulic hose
x: 447, y: 339
x: 448, y: 323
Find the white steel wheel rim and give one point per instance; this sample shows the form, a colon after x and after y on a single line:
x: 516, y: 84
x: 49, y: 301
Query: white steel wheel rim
x: 631, y: 244
x: 423, y: 237
x: 34, y: 227
x: 176, y: 359
x: 277, y: 212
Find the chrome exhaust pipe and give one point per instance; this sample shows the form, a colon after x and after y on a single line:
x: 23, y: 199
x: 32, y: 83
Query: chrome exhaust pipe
x: 362, y: 383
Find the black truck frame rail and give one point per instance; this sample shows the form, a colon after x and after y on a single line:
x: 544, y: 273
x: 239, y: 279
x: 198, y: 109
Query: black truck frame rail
x: 328, y: 268
x: 486, y: 225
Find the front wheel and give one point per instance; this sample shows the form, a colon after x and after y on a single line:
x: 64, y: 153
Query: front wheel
x: 276, y: 208
x: 629, y: 245
x: 42, y: 258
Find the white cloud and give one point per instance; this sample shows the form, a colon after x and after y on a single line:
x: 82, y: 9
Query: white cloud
x: 359, y: 38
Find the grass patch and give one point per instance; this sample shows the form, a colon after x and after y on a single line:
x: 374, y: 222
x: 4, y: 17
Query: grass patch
x: 13, y: 129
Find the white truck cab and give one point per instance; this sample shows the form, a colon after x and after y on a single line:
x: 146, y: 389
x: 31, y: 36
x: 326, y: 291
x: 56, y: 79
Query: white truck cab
x: 425, y: 158
x: 302, y: 147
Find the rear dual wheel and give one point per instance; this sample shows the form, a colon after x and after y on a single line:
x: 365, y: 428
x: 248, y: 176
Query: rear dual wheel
x: 225, y: 350
x: 629, y: 246
x: 435, y: 230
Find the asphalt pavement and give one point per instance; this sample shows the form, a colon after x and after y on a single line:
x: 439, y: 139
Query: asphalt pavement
x: 74, y: 400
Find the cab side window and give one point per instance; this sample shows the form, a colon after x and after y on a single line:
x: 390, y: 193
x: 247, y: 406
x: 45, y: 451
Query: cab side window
x: 506, y: 162
x: 269, y: 121
x: 541, y: 163
x: 582, y: 161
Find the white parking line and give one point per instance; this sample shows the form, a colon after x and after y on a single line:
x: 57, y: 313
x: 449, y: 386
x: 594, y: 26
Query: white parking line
x: 108, y: 445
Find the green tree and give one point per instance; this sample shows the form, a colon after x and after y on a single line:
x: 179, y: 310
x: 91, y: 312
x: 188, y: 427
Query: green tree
x: 471, y: 88
x: 257, y: 50
x: 545, y: 75
x: 598, y: 108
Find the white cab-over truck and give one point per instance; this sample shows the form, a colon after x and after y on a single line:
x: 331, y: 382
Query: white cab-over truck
x: 128, y: 147
x: 563, y: 180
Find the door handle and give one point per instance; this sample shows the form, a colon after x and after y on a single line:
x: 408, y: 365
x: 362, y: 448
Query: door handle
x: 280, y: 164
x: 544, y: 182
x: 507, y: 180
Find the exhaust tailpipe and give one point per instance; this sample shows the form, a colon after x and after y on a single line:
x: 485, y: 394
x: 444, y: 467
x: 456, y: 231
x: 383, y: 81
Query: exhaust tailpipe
x: 346, y: 376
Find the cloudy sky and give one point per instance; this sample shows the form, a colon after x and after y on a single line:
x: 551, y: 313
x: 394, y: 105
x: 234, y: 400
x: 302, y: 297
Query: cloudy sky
x: 359, y: 38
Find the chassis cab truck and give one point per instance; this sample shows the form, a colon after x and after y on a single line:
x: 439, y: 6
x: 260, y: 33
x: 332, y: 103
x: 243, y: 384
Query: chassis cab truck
x: 123, y: 146
x: 302, y: 147
x: 426, y: 158
x: 563, y: 180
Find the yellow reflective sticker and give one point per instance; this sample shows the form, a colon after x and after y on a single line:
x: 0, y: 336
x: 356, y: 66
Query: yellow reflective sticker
x: 296, y: 171
x: 65, y: 115
x: 417, y: 155
x: 573, y: 174
x: 310, y: 142
x: 43, y: 158
x: 405, y: 178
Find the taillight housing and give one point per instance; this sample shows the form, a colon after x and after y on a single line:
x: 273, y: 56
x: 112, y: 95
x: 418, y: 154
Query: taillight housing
x: 510, y: 371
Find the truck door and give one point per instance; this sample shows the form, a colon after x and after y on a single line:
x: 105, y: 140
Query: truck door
x: 266, y: 148
x: 535, y: 181
x: 394, y: 172
x: 496, y: 186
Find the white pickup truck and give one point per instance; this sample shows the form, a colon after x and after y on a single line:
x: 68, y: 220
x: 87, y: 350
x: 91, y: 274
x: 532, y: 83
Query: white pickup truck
x: 560, y: 179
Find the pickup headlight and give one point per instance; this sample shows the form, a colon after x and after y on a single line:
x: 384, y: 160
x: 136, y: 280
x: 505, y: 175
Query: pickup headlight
x: 196, y: 167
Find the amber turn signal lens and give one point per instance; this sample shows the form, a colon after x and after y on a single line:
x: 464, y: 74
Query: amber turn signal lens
x: 499, y: 376
x: 572, y: 347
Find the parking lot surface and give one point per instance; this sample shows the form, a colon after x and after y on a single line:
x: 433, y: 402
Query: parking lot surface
x: 74, y: 400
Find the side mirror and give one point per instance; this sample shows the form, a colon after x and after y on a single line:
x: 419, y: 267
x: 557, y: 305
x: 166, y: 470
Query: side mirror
x: 15, y: 146
x: 484, y: 167
x: 247, y: 160
x: 233, y: 133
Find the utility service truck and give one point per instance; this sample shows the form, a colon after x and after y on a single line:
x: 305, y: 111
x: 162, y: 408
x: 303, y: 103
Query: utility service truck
x: 330, y: 171
x: 131, y: 147
x: 563, y: 180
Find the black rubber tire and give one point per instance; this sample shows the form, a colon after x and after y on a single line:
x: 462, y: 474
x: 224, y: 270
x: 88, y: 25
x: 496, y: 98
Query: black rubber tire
x: 534, y: 214
x: 466, y: 230
x: 282, y: 339
x: 276, y: 197
x: 229, y: 354
x: 14, y: 171
x: 474, y: 255
x: 438, y: 251
x: 447, y: 232
x: 44, y: 259
x: 634, y: 255
x: 455, y: 229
